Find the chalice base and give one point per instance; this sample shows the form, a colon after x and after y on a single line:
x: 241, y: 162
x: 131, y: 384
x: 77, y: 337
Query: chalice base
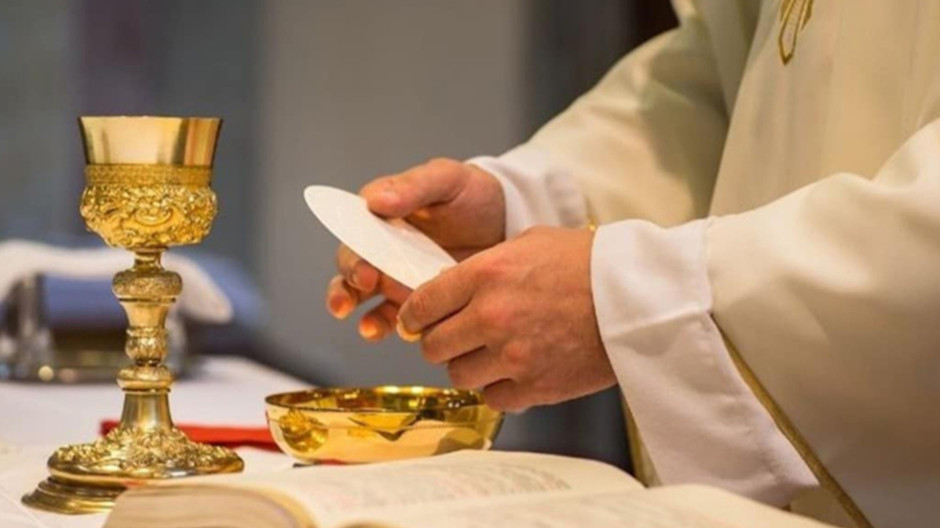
x: 87, y: 478
x: 62, y: 497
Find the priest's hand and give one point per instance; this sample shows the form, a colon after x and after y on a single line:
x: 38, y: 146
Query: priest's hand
x: 516, y: 320
x: 460, y: 206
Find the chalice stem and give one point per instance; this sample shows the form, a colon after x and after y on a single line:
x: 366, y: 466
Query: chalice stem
x: 147, y: 291
x: 146, y: 410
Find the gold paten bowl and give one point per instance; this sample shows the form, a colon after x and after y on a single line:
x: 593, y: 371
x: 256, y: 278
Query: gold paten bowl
x: 359, y: 425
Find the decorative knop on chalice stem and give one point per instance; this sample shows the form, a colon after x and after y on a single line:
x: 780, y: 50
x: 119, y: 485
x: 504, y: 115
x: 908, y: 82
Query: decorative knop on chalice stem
x: 147, y: 188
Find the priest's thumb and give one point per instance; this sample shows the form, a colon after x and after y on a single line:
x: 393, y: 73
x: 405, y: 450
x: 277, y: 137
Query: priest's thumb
x: 401, y: 195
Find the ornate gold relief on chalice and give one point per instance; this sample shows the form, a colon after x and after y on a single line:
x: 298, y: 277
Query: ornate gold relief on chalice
x: 147, y: 188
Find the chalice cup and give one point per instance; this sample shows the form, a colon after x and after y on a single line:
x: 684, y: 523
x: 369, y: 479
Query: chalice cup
x: 147, y: 188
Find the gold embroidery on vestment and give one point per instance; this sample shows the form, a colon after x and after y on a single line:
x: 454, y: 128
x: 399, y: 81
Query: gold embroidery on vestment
x: 794, y: 14
x: 796, y: 438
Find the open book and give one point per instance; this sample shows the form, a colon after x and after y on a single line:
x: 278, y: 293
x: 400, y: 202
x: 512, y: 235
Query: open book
x: 461, y: 490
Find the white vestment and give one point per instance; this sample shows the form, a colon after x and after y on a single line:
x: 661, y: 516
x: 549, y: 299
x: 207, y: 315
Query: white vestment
x: 793, y: 207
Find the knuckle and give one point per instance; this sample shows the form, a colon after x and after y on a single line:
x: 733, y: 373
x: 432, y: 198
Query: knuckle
x: 491, y: 268
x: 486, y: 270
x: 419, y: 306
x: 492, y: 315
x: 517, y: 356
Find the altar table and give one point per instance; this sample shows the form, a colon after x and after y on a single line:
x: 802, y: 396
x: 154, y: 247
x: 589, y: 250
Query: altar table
x: 37, y: 418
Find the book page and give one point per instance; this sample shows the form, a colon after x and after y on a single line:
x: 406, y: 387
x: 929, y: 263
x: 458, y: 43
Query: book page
x: 331, y: 496
x: 732, y: 509
x: 600, y: 510
x: 336, y: 494
x: 687, y: 506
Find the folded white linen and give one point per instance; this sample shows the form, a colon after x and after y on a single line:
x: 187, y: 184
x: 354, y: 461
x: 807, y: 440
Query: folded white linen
x: 202, y: 299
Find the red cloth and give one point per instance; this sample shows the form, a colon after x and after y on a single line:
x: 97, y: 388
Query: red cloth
x: 232, y: 437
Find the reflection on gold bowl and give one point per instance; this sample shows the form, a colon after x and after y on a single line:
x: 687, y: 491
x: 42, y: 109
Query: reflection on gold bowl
x: 359, y: 425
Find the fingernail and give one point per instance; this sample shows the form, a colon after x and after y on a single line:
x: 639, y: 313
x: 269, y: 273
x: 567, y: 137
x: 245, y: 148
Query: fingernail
x: 405, y: 334
x: 389, y: 195
x: 340, y: 307
x: 354, y: 279
x: 368, y: 329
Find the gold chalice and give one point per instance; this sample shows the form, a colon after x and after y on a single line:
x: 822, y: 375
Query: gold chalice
x: 147, y: 188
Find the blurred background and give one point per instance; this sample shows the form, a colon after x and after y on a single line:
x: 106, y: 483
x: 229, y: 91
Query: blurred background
x: 334, y: 92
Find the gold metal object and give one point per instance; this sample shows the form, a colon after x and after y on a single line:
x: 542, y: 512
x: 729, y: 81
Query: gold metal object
x: 147, y: 188
x: 794, y: 14
x: 360, y: 425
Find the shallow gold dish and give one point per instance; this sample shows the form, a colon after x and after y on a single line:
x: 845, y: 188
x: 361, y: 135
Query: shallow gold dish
x: 359, y: 425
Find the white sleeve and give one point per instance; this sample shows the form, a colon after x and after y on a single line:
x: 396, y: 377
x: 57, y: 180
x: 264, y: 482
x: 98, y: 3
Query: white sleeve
x: 699, y: 420
x: 536, y: 191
